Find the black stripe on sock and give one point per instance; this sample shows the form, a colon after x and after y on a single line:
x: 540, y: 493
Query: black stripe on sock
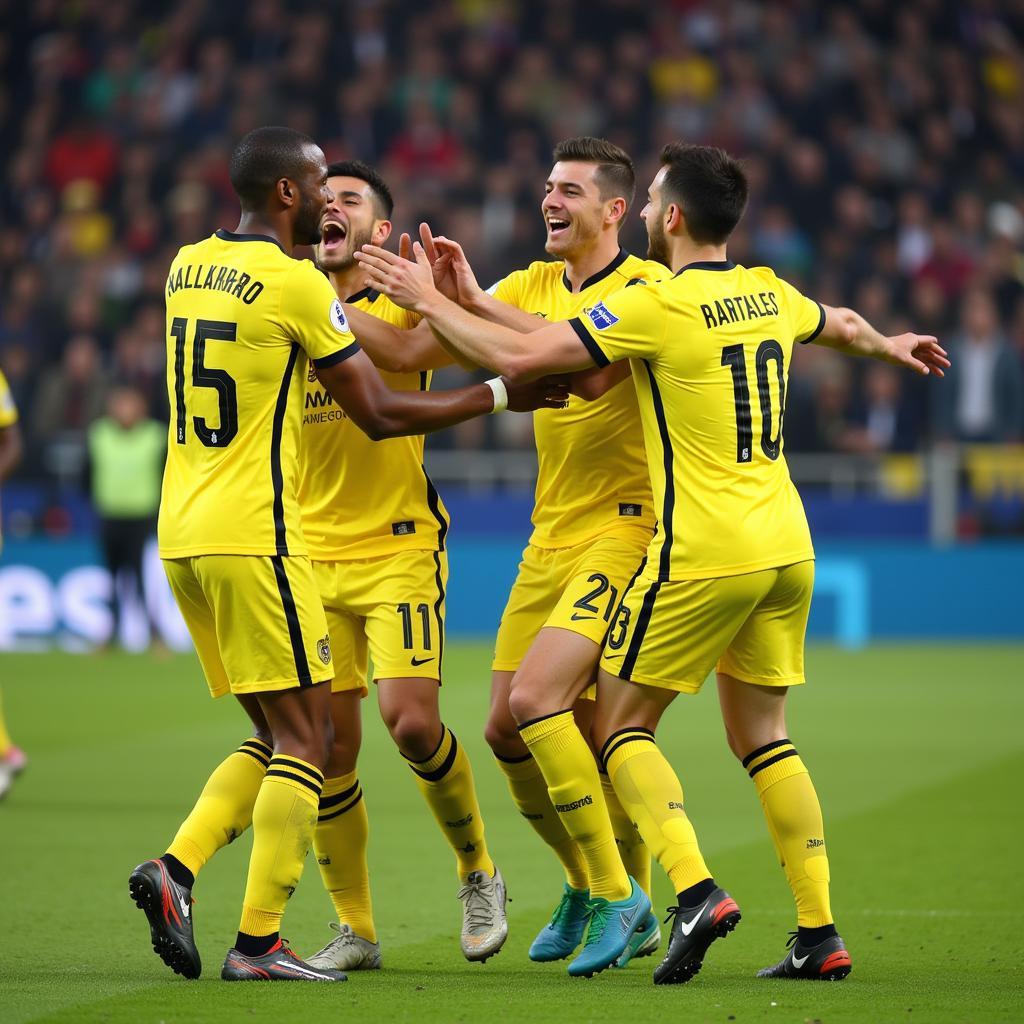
x: 763, y: 750
x: 622, y: 732
x: 446, y: 765
x: 263, y: 748
x: 291, y: 616
x: 635, y: 736
x: 440, y: 744
x: 255, y: 753
x: 313, y: 787
x: 773, y: 760
x: 341, y: 810
x: 512, y: 760
x: 541, y: 718
x: 326, y: 802
x: 284, y: 761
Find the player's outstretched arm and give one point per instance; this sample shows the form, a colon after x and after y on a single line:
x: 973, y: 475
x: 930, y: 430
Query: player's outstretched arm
x: 380, y: 412
x: 847, y: 331
x: 554, y: 348
x: 393, y: 349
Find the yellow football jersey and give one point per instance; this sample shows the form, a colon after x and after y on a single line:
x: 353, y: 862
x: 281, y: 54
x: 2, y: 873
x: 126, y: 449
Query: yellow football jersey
x: 8, y: 411
x: 711, y: 349
x: 591, y: 468
x: 363, y: 498
x: 243, y: 318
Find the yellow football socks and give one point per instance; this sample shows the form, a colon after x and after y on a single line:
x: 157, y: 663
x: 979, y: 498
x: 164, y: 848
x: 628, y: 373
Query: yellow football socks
x: 446, y: 781
x: 794, y: 820
x: 283, y: 820
x: 224, y: 808
x: 575, y: 790
x: 652, y: 796
x: 636, y: 858
x: 530, y: 795
x: 339, y: 841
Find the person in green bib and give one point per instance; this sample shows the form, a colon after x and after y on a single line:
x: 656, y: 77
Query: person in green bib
x: 126, y: 458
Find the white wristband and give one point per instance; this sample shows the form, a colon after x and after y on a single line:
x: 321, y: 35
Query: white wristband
x: 497, y: 386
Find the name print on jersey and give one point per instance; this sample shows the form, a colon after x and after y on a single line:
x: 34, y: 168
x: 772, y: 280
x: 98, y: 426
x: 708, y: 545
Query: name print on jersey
x: 216, y: 279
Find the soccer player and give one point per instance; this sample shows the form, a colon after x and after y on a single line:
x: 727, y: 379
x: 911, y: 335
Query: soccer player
x: 376, y: 528
x: 593, y: 519
x: 728, y: 577
x: 244, y: 319
x: 12, y: 757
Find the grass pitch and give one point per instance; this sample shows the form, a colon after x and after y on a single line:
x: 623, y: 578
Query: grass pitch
x: 916, y: 753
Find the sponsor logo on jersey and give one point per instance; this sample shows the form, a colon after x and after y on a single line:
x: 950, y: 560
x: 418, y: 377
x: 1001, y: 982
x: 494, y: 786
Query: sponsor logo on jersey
x: 338, y: 317
x: 601, y: 317
x: 629, y: 508
x: 404, y: 528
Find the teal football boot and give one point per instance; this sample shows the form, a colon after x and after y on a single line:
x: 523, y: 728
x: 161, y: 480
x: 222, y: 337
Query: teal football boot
x: 612, y: 924
x: 564, y: 932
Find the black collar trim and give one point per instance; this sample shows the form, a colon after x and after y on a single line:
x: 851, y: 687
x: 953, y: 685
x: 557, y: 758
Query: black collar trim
x: 600, y: 275
x: 370, y: 294
x: 231, y: 236
x: 707, y: 265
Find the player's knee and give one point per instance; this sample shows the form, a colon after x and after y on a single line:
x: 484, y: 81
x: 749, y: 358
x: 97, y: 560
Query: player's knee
x: 502, y: 736
x: 526, y: 703
x: 416, y: 732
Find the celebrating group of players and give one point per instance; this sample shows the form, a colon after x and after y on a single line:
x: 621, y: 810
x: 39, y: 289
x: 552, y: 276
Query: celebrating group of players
x: 668, y: 541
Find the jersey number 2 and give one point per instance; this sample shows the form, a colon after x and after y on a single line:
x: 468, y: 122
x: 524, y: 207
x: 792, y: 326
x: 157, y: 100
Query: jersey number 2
x: 204, y: 377
x: 734, y: 357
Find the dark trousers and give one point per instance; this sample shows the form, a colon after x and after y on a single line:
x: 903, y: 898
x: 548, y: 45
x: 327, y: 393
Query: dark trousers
x: 124, y: 541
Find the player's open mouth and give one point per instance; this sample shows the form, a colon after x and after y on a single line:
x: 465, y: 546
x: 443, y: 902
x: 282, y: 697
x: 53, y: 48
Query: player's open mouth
x: 334, y: 235
x: 556, y: 226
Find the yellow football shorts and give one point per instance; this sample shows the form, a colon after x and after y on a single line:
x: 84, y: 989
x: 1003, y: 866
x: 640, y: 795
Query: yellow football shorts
x: 750, y: 627
x: 390, y: 609
x: 575, y: 588
x: 256, y: 620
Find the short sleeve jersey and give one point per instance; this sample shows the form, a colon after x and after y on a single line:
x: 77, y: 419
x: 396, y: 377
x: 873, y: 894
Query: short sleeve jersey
x: 243, y: 320
x: 711, y: 349
x: 8, y: 410
x: 363, y: 498
x: 591, y: 470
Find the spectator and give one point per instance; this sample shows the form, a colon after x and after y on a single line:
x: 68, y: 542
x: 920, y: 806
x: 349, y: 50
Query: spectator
x: 984, y: 397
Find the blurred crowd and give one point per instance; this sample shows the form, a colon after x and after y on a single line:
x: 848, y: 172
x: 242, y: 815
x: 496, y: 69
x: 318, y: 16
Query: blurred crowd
x: 884, y: 142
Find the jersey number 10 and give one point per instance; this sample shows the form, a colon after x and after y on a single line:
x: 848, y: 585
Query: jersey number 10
x: 204, y: 377
x: 734, y: 357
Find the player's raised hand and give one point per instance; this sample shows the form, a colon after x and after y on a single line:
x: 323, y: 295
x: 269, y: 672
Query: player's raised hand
x: 408, y: 284
x: 441, y: 266
x: 919, y: 352
x: 461, y: 270
x: 543, y: 393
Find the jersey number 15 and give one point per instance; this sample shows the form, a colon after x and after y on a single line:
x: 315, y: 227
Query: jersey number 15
x: 204, y: 377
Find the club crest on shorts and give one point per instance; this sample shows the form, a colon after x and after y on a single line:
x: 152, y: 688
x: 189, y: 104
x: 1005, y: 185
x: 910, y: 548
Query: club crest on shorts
x: 323, y: 648
x: 338, y: 317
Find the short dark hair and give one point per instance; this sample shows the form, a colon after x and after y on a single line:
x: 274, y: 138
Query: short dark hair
x: 615, y: 175
x: 264, y: 157
x: 710, y: 187
x: 364, y: 172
